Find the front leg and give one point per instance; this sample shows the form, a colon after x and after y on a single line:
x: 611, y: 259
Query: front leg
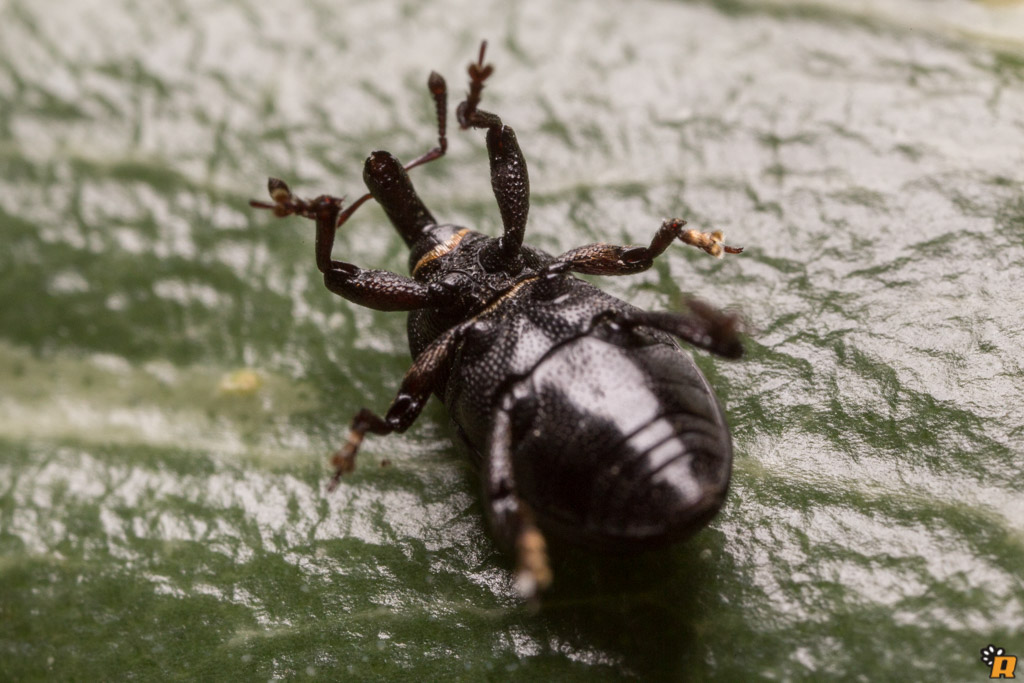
x: 609, y: 259
x: 383, y: 290
x: 510, y: 179
x: 325, y: 211
x: 325, y: 206
x: 378, y: 289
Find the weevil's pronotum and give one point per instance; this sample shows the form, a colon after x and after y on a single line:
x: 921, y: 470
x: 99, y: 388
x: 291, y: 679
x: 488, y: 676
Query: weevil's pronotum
x: 589, y: 422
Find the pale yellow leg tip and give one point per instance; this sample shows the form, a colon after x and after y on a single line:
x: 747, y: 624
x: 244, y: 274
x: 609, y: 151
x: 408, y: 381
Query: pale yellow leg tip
x: 533, y: 573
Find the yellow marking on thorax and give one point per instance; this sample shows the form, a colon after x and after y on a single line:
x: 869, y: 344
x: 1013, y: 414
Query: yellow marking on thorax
x: 497, y: 302
x: 440, y: 250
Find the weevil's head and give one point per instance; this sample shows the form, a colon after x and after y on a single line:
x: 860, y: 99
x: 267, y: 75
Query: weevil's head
x: 469, y: 266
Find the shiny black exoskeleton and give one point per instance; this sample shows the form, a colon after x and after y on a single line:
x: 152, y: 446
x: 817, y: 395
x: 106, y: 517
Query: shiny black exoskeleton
x: 590, y: 423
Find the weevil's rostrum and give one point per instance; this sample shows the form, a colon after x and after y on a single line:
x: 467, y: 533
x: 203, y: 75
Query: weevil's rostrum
x: 591, y: 425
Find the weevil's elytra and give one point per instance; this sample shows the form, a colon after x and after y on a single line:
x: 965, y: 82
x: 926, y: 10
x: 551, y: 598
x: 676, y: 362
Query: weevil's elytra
x: 589, y: 422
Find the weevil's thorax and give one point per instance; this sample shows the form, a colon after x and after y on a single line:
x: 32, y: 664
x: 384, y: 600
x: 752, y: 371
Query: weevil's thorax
x: 466, y: 264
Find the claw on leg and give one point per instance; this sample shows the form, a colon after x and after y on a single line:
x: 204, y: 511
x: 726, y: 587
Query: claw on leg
x: 344, y: 460
x: 478, y: 73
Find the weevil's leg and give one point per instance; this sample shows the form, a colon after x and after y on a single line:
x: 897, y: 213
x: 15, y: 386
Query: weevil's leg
x: 704, y: 327
x: 378, y: 289
x: 510, y: 179
x: 416, y: 386
x: 389, y: 183
x: 286, y: 204
x: 609, y: 259
x: 511, y: 184
x: 439, y: 91
x: 510, y: 517
x: 383, y: 290
x: 325, y: 211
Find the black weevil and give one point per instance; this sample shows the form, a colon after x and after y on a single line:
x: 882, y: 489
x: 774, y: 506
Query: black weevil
x: 589, y: 423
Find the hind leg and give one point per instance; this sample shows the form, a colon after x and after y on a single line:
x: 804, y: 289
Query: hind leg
x: 510, y: 517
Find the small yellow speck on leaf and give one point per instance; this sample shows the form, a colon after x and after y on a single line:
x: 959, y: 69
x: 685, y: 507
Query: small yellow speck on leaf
x: 244, y: 382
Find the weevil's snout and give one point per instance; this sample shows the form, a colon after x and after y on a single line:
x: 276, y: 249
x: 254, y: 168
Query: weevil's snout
x: 378, y: 166
x: 389, y: 183
x: 385, y: 177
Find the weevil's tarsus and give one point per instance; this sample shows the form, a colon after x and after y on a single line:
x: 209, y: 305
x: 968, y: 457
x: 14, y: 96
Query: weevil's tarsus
x: 533, y: 571
x: 478, y: 73
x: 344, y: 459
x: 719, y: 330
x: 711, y: 242
x: 287, y: 204
x: 609, y: 259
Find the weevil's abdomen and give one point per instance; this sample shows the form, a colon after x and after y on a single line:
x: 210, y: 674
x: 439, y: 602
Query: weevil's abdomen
x: 619, y: 443
x: 615, y: 438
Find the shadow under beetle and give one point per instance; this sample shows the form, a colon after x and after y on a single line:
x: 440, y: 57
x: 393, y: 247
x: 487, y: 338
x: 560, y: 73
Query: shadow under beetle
x: 590, y: 424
